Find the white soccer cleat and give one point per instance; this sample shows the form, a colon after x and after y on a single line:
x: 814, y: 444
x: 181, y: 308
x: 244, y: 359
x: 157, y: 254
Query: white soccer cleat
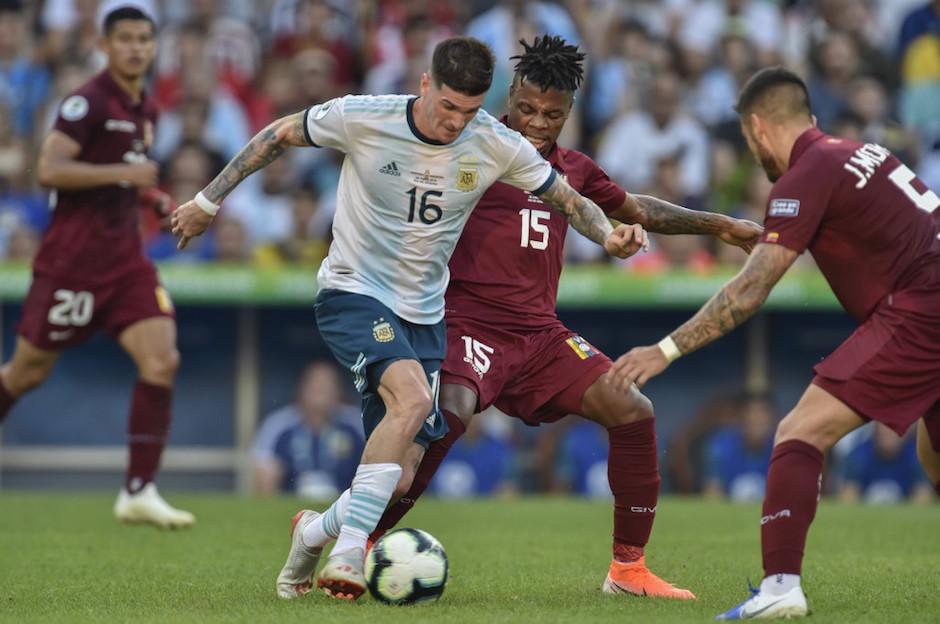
x: 342, y: 576
x: 765, y: 606
x: 148, y: 507
x: 296, y: 577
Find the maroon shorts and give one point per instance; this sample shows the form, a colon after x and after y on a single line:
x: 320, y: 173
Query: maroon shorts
x: 61, y: 311
x: 538, y: 376
x: 889, y: 369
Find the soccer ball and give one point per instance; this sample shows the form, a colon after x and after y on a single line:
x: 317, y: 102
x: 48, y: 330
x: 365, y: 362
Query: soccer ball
x: 406, y: 566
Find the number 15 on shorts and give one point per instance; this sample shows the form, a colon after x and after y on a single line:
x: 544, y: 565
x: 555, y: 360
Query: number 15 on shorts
x: 477, y: 355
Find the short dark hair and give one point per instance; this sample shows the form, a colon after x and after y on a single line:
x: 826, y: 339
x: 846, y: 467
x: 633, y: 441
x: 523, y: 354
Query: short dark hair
x: 464, y: 64
x: 551, y: 63
x: 125, y: 13
x: 776, y: 92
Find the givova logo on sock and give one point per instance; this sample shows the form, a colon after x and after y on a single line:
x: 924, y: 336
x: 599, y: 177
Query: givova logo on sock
x: 783, y: 513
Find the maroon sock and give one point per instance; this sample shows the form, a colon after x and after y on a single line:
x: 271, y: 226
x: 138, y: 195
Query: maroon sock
x: 147, y: 432
x: 432, y: 459
x: 6, y: 400
x: 633, y: 473
x: 793, y: 481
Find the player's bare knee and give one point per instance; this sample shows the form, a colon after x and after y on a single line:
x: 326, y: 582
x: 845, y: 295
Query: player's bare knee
x: 459, y: 400
x: 160, y: 367
x: 817, y: 432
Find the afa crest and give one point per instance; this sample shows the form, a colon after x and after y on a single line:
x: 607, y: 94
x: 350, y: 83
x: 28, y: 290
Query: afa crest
x: 382, y: 331
x: 467, y: 178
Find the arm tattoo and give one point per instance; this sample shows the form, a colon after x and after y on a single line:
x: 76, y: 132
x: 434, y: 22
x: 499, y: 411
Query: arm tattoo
x: 262, y: 150
x: 662, y: 217
x: 738, y: 300
x: 584, y: 215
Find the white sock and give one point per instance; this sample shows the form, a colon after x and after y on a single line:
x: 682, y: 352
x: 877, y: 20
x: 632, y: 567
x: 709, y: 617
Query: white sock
x: 372, y: 488
x: 326, y: 527
x: 779, y: 584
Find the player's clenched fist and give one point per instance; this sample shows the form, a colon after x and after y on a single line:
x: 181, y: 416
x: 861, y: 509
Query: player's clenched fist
x: 142, y: 175
x: 189, y: 221
x: 626, y: 240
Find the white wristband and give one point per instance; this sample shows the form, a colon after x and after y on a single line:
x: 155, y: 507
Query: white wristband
x: 207, y: 206
x: 669, y: 349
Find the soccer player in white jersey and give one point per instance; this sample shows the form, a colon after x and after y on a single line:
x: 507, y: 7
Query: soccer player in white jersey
x: 414, y: 169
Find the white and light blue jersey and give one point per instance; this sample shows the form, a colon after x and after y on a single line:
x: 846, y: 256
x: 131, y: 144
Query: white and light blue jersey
x: 403, y: 198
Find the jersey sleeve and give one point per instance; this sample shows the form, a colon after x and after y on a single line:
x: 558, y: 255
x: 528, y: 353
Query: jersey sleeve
x: 795, y: 209
x: 528, y: 170
x: 599, y: 188
x: 325, y: 124
x: 80, y: 117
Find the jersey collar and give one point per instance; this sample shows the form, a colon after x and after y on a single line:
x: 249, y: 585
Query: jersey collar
x: 409, y: 113
x: 803, y: 142
x: 107, y: 81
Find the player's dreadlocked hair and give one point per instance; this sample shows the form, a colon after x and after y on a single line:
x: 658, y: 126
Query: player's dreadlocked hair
x: 551, y: 62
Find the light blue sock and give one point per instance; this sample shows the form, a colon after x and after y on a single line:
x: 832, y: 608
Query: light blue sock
x: 371, y: 490
x: 326, y: 528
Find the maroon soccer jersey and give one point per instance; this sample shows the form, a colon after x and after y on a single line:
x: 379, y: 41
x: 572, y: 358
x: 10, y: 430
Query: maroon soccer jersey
x: 508, y: 261
x: 872, y: 226
x: 94, y: 232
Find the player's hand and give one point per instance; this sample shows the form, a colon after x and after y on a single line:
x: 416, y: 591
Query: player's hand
x: 626, y: 240
x: 142, y: 175
x: 742, y: 233
x: 637, y: 366
x: 188, y: 222
x: 160, y: 203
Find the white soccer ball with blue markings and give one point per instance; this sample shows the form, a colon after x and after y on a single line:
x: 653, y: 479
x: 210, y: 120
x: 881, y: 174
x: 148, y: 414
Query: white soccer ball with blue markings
x: 406, y: 566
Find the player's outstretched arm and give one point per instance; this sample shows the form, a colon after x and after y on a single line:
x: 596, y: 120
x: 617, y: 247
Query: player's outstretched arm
x: 663, y: 217
x: 192, y: 218
x: 736, y: 302
x: 587, y: 217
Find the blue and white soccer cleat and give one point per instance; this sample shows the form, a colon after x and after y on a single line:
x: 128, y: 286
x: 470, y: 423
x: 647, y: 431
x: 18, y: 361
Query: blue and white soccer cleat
x: 764, y: 606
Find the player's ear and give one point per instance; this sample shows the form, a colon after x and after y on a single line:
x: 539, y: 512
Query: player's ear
x: 813, y: 117
x: 425, y: 84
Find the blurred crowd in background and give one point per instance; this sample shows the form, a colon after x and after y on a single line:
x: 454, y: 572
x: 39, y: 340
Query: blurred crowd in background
x: 662, y: 77
x: 311, y: 448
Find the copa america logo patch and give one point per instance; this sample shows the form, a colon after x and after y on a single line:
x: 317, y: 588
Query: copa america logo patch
x: 784, y: 208
x: 382, y: 331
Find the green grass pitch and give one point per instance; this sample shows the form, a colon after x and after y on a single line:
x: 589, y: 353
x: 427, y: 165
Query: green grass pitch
x: 63, y: 559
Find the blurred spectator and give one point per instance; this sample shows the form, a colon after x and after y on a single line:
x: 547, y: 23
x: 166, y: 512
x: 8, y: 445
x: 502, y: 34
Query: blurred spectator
x: 205, y: 111
x: 685, y: 452
x: 680, y: 252
x: 736, y: 457
x: 228, y: 242
x: 403, y: 75
x: 883, y: 469
x: 266, y: 209
x: 307, y: 242
x: 212, y: 36
x: 502, y: 26
x: 72, y: 30
x: 22, y: 244
x: 660, y: 131
x: 582, y: 461
x: 24, y: 84
x: 479, y: 464
x: 715, y: 95
x: 310, y: 447
x: 323, y: 25
x: 869, y: 102
x: 617, y: 73
x: 706, y: 21
x: 829, y: 88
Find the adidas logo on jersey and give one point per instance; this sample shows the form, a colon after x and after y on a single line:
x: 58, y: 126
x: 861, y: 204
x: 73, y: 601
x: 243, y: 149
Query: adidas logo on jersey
x: 391, y: 169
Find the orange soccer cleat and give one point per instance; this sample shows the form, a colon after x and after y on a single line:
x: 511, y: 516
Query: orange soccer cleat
x: 635, y: 578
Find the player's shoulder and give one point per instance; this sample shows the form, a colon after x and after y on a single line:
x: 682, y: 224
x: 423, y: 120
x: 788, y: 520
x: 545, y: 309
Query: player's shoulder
x: 90, y: 97
x: 371, y: 106
x: 486, y: 127
x: 815, y: 171
x: 575, y: 159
